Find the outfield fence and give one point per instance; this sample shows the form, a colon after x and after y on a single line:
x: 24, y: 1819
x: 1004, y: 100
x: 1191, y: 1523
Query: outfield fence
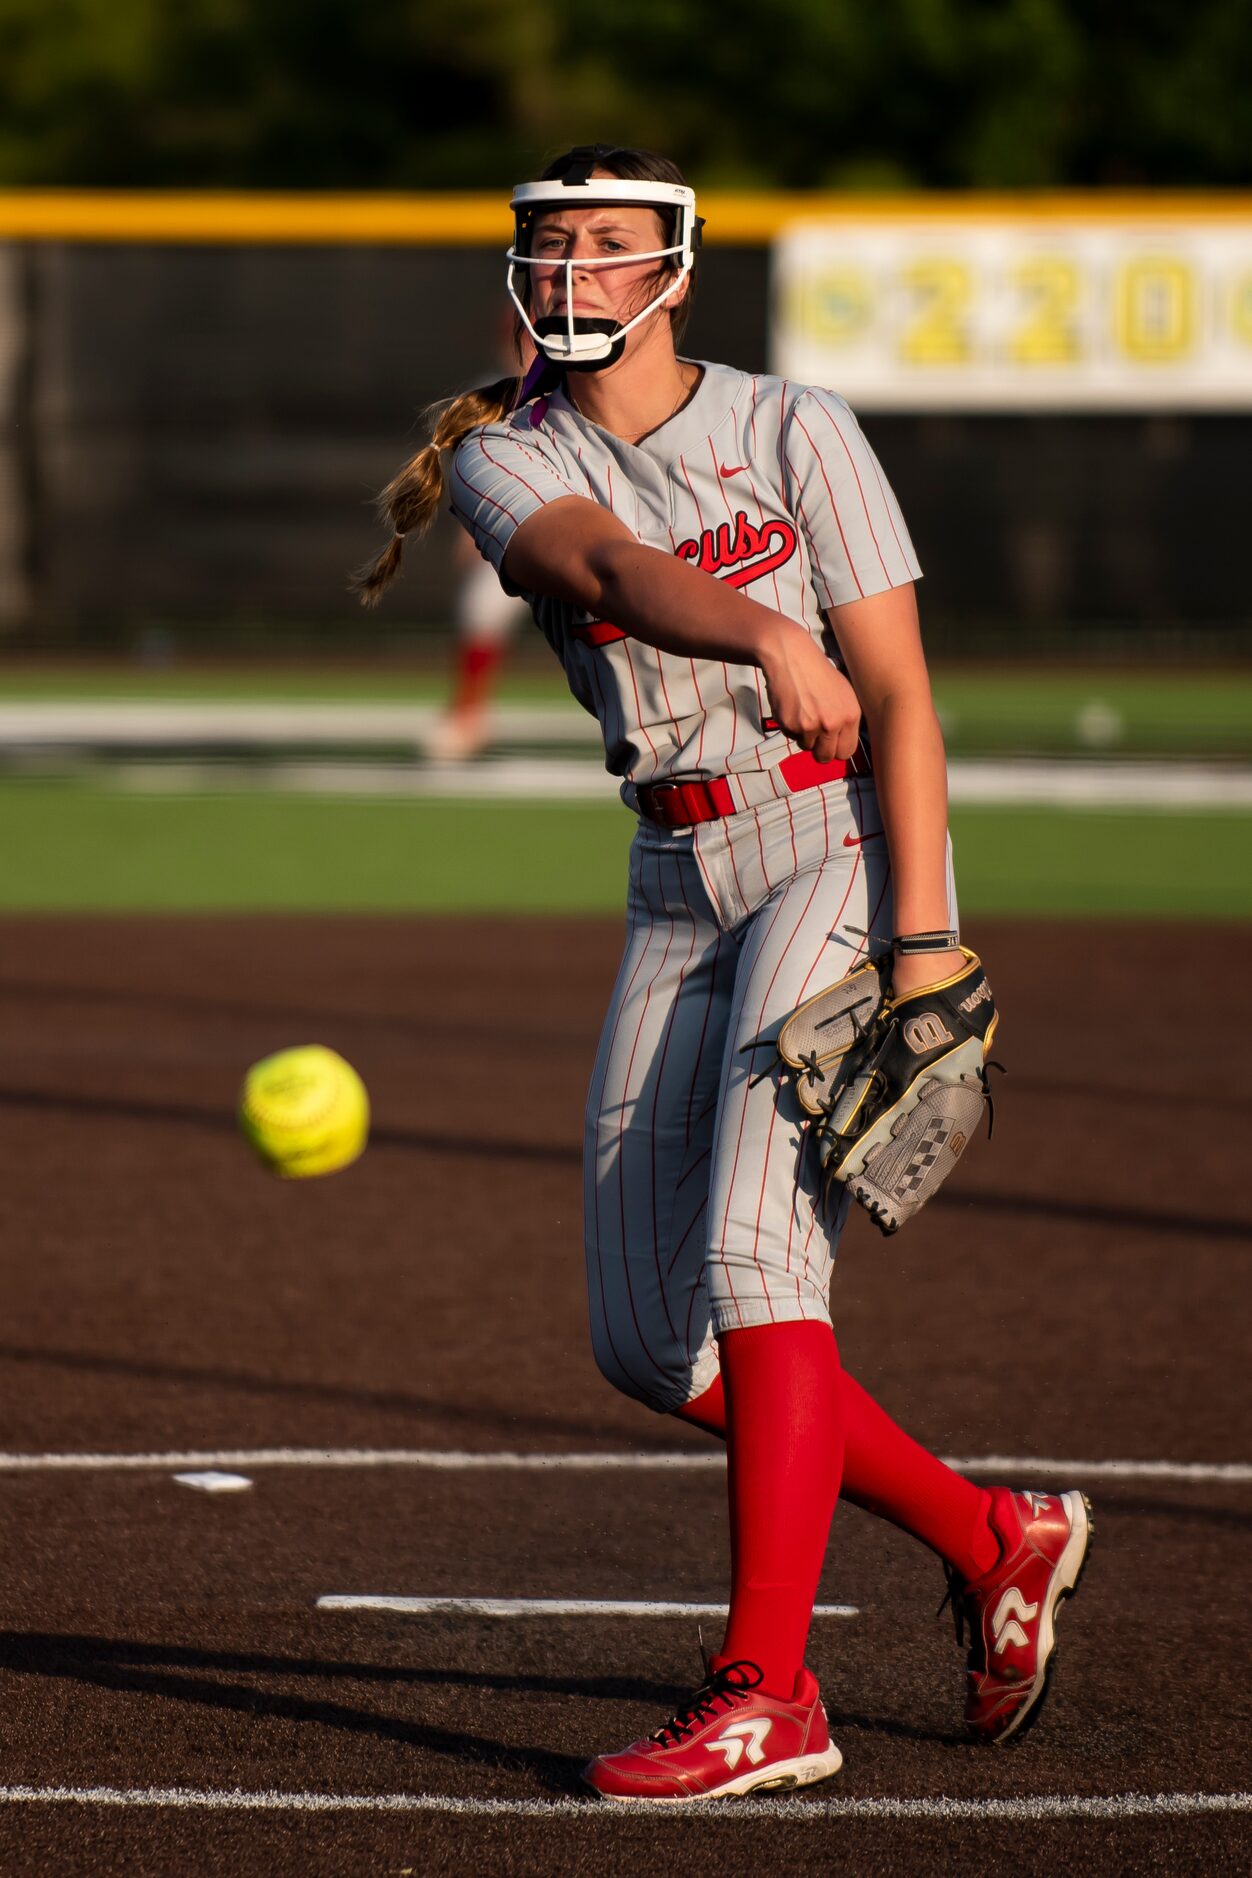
x: 200, y: 397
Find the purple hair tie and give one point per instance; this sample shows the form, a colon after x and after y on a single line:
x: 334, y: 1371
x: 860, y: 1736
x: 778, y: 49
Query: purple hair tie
x: 530, y: 384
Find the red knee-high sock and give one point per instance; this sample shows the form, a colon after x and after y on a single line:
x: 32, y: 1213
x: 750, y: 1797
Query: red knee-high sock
x: 784, y: 1440
x: 888, y: 1473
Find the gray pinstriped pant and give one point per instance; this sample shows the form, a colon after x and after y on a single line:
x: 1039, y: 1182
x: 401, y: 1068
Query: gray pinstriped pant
x: 700, y: 1188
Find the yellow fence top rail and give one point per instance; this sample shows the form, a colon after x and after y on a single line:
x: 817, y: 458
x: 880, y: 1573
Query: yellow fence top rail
x: 479, y: 220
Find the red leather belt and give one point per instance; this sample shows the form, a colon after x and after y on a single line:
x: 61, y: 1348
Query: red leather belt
x: 682, y: 804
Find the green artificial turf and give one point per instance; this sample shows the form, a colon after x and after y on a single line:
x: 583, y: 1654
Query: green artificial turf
x: 1096, y: 713
x: 74, y: 847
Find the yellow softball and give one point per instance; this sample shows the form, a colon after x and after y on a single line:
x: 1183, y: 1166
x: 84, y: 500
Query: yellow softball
x: 305, y: 1111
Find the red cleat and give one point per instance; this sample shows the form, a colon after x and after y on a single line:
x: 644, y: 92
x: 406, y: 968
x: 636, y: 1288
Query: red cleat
x: 724, y: 1740
x: 1011, y: 1611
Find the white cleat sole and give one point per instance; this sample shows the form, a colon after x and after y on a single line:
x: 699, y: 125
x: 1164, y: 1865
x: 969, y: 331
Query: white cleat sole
x: 804, y: 1771
x: 1064, y: 1580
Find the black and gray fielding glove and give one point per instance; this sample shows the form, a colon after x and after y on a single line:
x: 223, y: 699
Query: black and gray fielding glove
x: 896, y: 1086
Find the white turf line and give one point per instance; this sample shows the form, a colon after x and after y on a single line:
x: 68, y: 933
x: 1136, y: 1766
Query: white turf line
x: 1007, y: 1466
x: 1173, y: 788
x: 540, y: 1607
x: 1043, y: 1806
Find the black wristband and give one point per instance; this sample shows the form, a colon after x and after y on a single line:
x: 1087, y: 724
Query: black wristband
x: 909, y: 944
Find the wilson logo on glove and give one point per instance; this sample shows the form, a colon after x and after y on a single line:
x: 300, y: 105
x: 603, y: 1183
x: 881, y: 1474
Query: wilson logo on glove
x: 926, y: 1033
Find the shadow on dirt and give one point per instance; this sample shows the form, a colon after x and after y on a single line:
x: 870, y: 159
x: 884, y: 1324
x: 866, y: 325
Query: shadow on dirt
x: 134, y: 1668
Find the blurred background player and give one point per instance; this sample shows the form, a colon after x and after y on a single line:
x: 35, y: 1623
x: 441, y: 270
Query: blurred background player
x: 486, y: 618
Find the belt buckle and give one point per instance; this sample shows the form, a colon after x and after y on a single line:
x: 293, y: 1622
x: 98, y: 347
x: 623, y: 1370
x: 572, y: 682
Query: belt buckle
x: 659, y: 795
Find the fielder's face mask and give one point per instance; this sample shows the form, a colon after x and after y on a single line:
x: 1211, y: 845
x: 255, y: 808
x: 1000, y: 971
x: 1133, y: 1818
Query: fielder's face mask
x: 580, y: 343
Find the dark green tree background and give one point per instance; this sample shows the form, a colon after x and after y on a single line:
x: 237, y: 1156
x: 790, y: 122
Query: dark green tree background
x: 405, y: 94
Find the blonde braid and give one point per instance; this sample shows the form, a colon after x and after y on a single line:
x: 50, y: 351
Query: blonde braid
x: 411, y: 499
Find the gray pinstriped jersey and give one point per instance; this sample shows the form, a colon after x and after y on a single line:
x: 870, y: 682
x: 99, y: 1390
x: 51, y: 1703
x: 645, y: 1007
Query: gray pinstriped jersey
x: 769, y: 486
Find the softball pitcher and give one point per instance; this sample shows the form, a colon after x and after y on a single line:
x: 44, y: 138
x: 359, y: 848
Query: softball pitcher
x: 721, y: 567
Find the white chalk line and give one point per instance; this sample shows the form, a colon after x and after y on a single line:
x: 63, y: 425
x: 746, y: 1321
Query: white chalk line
x: 1008, y: 1466
x: 540, y: 1607
x: 1042, y: 1806
x: 1065, y: 783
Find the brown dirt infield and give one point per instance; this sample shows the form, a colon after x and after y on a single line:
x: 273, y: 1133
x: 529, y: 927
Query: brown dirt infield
x: 1080, y: 1290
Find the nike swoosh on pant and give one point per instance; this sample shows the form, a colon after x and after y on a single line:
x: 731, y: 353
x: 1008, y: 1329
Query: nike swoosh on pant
x: 854, y: 841
x: 739, y: 469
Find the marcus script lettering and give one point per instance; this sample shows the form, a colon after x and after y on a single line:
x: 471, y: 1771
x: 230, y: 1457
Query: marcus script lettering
x: 738, y: 552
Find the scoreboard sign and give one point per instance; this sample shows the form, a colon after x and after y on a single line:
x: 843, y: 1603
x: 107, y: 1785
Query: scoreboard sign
x: 1012, y: 311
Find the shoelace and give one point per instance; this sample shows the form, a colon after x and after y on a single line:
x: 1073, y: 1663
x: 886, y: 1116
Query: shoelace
x: 732, y: 1683
x: 963, y: 1617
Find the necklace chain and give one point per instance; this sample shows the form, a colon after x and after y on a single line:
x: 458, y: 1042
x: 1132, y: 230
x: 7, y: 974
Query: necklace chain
x: 684, y: 392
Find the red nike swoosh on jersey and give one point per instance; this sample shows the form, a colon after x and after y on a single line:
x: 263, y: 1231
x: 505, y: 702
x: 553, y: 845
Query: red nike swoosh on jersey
x: 738, y: 469
x: 854, y: 841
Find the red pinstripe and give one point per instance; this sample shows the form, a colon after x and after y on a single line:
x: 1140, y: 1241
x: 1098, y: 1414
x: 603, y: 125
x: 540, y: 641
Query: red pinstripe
x: 791, y: 1218
x: 730, y: 517
x: 847, y: 553
x: 856, y: 959
x: 634, y: 685
x: 775, y: 1117
x: 813, y: 550
x: 876, y: 910
x: 536, y: 457
x: 734, y: 730
x: 692, y: 1166
x: 760, y: 842
x: 696, y: 1289
x: 692, y: 1224
x: 481, y: 495
x: 761, y: 695
x: 756, y: 388
x: 695, y: 1080
x: 791, y: 830
x: 708, y: 1009
x: 695, y: 681
x: 808, y: 1240
x: 834, y: 925
x: 660, y: 669
x: 667, y: 1034
x: 887, y: 506
x: 782, y: 434
x: 804, y: 991
x: 821, y: 797
x: 660, y: 672
x: 735, y: 1017
x: 869, y: 520
x: 628, y: 1083
x: 595, y: 1181
x: 496, y: 464
x: 730, y: 856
